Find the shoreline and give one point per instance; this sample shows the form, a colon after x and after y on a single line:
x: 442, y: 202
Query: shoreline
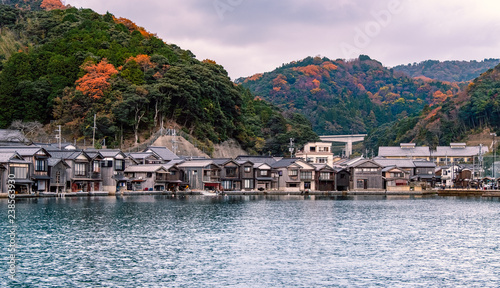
x: 448, y: 192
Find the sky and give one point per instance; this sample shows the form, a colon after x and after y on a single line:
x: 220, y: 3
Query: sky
x: 256, y: 36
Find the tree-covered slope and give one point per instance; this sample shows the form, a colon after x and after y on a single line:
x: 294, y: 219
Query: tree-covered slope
x: 69, y: 65
x: 452, y: 71
x: 465, y: 113
x: 344, y: 97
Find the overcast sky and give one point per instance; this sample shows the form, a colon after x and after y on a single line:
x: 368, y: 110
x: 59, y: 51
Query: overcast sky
x: 253, y: 36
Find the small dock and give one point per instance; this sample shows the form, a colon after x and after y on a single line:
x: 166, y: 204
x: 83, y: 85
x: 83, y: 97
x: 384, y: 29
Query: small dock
x: 469, y: 193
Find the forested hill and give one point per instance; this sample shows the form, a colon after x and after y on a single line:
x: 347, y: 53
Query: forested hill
x: 64, y: 65
x: 452, y: 71
x: 464, y: 114
x: 344, y: 97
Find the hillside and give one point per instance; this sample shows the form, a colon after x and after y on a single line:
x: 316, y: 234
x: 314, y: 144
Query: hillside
x: 460, y: 118
x: 344, y: 97
x: 451, y: 71
x: 63, y: 66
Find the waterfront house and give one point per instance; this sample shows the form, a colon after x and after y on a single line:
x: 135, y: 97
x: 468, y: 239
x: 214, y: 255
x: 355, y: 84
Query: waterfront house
x: 443, y: 155
x: 265, y: 176
x: 201, y: 174
x: 112, y: 168
x: 84, y: 171
x: 395, y: 177
x: 38, y: 170
x: 342, y: 179
x: 230, y: 174
x: 146, y: 177
x: 324, y: 177
x: 58, y: 172
x: 294, y: 175
x: 365, y: 175
x: 317, y: 153
x: 11, y: 163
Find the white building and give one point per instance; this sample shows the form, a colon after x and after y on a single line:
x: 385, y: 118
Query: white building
x: 318, y: 153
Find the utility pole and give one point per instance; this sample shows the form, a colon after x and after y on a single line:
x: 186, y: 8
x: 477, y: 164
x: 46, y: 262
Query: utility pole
x: 494, y: 156
x: 93, y: 134
x: 58, y: 136
x: 291, y: 148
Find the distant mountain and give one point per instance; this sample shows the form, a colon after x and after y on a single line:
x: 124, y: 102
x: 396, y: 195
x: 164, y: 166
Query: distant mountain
x: 344, y: 97
x: 470, y: 112
x: 451, y: 71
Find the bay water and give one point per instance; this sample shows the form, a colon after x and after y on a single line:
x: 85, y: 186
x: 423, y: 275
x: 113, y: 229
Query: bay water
x: 253, y: 241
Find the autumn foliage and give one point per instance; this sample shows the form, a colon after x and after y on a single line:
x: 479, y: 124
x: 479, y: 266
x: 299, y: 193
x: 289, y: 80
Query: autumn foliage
x: 132, y: 26
x: 96, y: 81
x: 142, y: 60
x: 52, y: 4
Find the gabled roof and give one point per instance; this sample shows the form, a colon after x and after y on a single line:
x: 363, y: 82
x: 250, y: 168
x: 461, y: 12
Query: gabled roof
x: 54, y: 161
x: 287, y: 162
x: 424, y: 164
x: 11, y: 157
x: 394, y: 151
x: 196, y: 163
x: 162, y: 152
x: 223, y: 161
x: 362, y: 162
x: 402, y: 163
x: 145, y: 168
x: 107, y: 153
x: 448, y: 151
x: 319, y: 167
x: 262, y: 166
x: 269, y: 160
x: 68, y: 154
x: 25, y: 151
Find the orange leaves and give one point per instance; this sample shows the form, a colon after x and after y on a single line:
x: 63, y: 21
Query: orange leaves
x: 316, y: 88
x: 142, y: 60
x: 316, y: 83
x: 255, y: 77
x: 309, y: 70
x: 329, y: 66
x: 52, y: 4
x: 95, y: 82
x: 440, y: 97
x: 433, y: 113
x: 132, y: 26
x: 280, y: 80
x: 208, y: 61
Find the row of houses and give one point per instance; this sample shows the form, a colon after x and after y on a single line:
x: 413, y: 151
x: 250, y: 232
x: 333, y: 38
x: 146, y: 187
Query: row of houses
x: 49, y: 168
x: 45, y: 168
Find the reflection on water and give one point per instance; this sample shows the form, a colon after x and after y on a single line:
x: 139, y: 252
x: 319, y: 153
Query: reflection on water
x: 256, y: 241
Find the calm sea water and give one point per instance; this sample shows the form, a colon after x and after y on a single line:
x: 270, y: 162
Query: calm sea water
x: 255, y: 241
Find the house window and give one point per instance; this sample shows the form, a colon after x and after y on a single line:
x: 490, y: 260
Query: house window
x: 342, y: 176
x: 172, y: 173
x: 149, y: 174
x: 80, y: 169
x: 40, y: 165
x: 293, y: 172
x: 322, y: 160
x: 264, y: 173
x: 306, y: 175
x: 96, y: 168
x: 19, y: 171
x: 307, y: 185
x: 248, y: 184
x: 119, y: 165
x: 324, y: 176
x: 312, y: 149
x: 291, y: 185
x: 231, y: 172
x: 227, y: 185
x: 248, y: 169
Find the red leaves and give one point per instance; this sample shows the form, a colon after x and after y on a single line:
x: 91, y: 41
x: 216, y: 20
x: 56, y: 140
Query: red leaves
x: 52, y: 4
x: 95, y: 82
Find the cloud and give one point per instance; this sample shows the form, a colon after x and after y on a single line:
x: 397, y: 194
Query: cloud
x: 251, y: 36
